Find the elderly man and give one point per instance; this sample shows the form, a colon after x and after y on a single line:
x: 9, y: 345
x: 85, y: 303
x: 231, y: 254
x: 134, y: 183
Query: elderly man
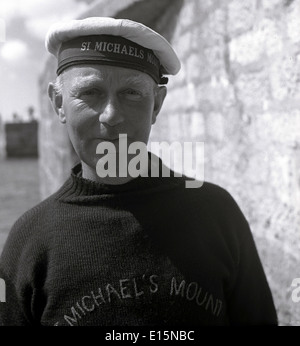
x: 120, y: 250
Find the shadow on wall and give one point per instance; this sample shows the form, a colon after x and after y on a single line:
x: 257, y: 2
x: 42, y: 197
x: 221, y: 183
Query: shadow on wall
x: 159, y: 15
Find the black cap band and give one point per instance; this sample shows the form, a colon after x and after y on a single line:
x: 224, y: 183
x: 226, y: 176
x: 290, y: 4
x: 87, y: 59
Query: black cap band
x: 109, y: 50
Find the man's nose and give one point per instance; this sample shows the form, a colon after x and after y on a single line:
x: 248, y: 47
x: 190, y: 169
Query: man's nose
x: 111, y: 113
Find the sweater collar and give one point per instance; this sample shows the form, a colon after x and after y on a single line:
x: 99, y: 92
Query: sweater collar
x: 80, y: 190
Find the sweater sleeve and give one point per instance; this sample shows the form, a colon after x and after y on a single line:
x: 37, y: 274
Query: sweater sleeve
x: 11, y: 312
x: 250, y: 300
x: 23, y: 271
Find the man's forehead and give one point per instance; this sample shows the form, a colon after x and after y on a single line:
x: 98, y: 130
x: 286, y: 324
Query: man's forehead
x: 90, y: 74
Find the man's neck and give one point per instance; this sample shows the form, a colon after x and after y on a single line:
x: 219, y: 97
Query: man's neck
x: 91, y: 174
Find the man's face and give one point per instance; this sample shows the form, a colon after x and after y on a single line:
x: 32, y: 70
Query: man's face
x: 100, y: 102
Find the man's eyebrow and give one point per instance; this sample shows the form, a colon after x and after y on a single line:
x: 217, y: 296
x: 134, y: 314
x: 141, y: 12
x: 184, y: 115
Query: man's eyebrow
x: 83, y: 82
x: 134, y: 80
x: 87, y: 80
x: 137, y: 81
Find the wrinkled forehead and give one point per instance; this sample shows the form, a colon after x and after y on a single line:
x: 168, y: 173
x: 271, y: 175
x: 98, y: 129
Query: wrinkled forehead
x: 85, y: 74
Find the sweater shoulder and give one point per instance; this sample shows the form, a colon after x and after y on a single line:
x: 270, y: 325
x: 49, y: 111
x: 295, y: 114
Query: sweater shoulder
x: 205, y: 191
x: 29, y: 234
x: 36, y: 213
x: 219, y: 196
x: 213, y: 202
x: 40, y: 211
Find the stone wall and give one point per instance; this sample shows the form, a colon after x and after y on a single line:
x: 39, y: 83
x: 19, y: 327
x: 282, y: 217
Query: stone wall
x: 237, y: 92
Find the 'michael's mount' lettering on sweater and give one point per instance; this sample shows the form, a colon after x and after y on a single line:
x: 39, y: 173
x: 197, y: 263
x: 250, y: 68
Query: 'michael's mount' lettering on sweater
x: 194, y: 292
x: 128, y: 289
x: 119, y: 48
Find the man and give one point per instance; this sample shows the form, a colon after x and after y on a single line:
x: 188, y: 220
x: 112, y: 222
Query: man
x: 121, y: 250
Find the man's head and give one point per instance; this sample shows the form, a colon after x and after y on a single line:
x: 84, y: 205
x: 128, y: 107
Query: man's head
x: 98, y: 103
x: 108, y: 83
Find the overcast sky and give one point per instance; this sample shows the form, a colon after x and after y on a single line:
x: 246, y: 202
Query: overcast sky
x: 22, y: 54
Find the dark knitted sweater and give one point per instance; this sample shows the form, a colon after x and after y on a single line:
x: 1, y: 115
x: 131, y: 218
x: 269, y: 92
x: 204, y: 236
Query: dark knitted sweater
x: 146, y: 253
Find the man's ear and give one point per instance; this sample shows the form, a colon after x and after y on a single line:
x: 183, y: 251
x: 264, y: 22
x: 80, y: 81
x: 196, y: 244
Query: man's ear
x: 159, y: 98
x: 56, y: 101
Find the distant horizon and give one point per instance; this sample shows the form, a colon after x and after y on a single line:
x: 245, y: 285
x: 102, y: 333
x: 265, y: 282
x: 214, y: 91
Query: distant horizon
x: 23, y: 117
x: 11, y: 121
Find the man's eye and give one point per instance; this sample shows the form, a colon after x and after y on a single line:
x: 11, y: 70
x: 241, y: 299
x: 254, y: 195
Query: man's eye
x: 89, y: 92
x: 133, y: 94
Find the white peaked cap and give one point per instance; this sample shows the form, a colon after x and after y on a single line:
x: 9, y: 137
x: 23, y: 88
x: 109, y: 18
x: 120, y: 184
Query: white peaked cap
x: 128, y: 29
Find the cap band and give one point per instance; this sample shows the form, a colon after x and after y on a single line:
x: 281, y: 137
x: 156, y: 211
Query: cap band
x: 109, y: 50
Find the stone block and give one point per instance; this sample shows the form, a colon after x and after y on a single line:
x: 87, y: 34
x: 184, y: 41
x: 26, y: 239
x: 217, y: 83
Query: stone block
x: 253, y: 89
x: 293, y: 23
x: 285, y: 76
x: 247, y: 48
x: 271, y: 5
x: 272, y: 35
x: 241, y: 16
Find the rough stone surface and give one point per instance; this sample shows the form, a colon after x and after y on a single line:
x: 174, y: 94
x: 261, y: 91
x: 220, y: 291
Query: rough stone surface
x: 238, y: 92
